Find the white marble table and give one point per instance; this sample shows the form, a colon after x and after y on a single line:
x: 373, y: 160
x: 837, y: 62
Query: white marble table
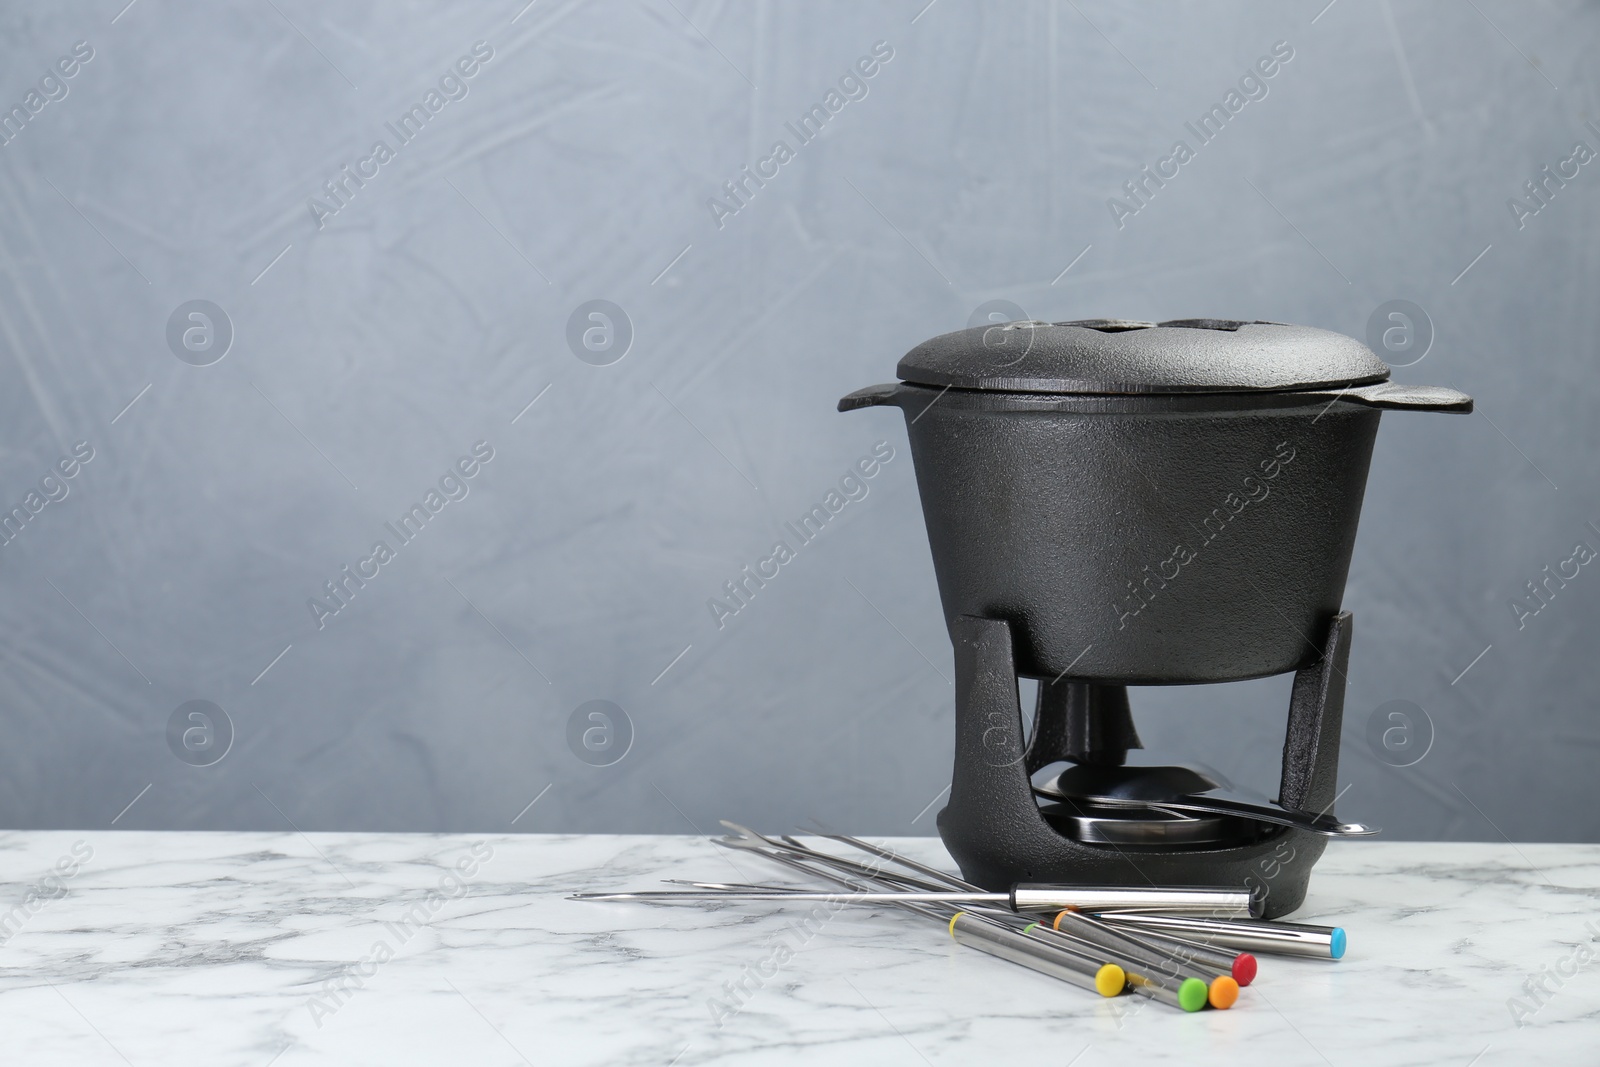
x: 257, y: 949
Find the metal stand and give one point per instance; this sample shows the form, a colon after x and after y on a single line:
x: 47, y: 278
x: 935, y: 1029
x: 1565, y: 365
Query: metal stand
x: 992, y: 825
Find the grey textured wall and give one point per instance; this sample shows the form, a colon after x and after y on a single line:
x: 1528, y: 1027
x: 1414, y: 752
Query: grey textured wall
x: 378, y: 336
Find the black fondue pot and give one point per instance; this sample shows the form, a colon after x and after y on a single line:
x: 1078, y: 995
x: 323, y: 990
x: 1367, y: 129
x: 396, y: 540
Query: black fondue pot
x: 1113, y: 503
x: 1146, y: 503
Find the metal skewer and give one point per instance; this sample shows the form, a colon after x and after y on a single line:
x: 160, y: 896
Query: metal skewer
x: 1154, y: 968
x: 1216, y: 957
x: 880, y: 876
x: 1147, y: 970
x: 1022, y: 898
x: 1199, y: 951
x: 894, y: 857
x: 1252, y: 935
x: 1214, y: 962
x: 1019, y: 947
x: 1161, y: 970
x: 1106, y: 963
x: 1057, y: 961
x: 1241, y: 966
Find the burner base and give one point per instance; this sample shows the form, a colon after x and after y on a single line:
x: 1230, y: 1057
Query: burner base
x: 996, y: 832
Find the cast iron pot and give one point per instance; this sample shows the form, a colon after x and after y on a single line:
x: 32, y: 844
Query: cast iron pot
x: 1146, y: 503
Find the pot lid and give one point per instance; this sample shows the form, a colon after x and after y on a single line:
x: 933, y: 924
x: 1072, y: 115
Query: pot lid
x: 1121, y: 357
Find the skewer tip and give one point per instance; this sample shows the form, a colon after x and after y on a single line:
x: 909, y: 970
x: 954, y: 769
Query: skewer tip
x: 1223, y: 992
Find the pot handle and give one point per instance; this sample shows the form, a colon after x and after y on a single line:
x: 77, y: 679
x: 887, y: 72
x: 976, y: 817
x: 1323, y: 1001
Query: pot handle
x: 871, y: 396
x: 1396, y: 397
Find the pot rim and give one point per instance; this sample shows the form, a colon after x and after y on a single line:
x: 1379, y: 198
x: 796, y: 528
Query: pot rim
x: 1119, y: 358
x: 1383, y: 394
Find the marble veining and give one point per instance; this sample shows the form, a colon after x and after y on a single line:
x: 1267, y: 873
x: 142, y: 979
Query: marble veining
x: 287, y: 949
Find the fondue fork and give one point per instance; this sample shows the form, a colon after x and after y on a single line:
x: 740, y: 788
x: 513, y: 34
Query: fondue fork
x: 1253, y: 935
x: 1026, y: 897
x: 1149, y: 973
x: 997, y: 932
x: 1212, y: 962
x: 1023, y: 897
x: 1150, y: 968
x: 1217, y: 962
x: 1058, y: 960
x: 894, y: 857
x: 1241, y: 966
